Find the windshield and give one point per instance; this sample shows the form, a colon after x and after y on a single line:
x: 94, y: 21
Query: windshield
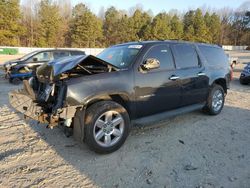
x: 27, y: 56
x: 120, y: 56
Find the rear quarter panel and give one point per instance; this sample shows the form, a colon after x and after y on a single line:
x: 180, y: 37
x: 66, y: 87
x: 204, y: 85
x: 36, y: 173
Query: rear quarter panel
x: 220, y: 71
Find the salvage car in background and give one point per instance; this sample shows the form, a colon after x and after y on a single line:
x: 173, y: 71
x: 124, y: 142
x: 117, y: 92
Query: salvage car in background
x: 245, y: 75
x: 99, y: 98
x: 19, y: 69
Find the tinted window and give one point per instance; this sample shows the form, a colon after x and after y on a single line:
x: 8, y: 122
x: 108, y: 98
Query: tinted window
x: 214, y: 56
x: 163, y: 54
x: 185, y: 56
x: 60, y: 54
x: 77, y: 53
x: 43, y: 56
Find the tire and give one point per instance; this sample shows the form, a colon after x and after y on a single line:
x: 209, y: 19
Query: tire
x: 107, y: 126
x: 243, y: 82
x: 215, y: 100
x: 15, y: 81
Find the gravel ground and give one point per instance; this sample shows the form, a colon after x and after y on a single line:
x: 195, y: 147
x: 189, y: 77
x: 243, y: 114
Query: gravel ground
x: 191, y: 150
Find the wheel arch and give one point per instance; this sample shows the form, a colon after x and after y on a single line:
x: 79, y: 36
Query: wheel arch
x: 120, y: 98
x: 222, y: 82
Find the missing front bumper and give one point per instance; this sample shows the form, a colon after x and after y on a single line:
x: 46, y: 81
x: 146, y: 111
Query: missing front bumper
x: 23, y: 103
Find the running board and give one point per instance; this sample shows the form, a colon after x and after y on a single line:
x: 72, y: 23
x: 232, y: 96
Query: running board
x: 165, y: 115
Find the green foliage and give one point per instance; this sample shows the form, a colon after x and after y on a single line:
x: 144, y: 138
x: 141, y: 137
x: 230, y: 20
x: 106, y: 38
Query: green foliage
x: 10, y: 27
x: 53, y: 23
x: 140, y: 21
x: 160, y: 28
x: 213, y: 24
x: 110, y: 29
x: 195, y: 28
x: 49, y: 24
x: 85, y: 27
x: 176, y: 28
x: 118, y: 27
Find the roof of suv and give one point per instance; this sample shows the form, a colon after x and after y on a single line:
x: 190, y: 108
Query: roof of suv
x: 166, y: 41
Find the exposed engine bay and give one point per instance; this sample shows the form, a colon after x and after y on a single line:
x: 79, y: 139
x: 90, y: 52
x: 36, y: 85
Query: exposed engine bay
x: 43, y: 96
x: 73, y: 67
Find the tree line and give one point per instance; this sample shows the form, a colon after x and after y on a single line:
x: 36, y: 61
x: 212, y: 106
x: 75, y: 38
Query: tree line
x: 55, y: 23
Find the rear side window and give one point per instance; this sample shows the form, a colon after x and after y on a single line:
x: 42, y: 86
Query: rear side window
x: 60, y: 54
x: 185, y: 56
x: 77, y: 53
x: 214, y: 56
x: 163, y: 54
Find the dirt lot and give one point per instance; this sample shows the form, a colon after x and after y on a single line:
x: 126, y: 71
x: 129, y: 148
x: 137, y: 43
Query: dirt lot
x: 191, y: 150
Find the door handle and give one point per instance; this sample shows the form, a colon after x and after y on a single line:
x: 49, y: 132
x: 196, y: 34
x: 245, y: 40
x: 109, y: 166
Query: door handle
x: 201, y: 74
x: 174, y: 77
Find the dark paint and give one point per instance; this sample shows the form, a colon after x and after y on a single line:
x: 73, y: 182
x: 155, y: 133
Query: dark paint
x: 147, y: 93
x: 245, y: 74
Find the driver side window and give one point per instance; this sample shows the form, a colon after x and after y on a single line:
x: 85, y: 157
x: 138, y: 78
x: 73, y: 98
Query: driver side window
x: 163, y: 54
x: 43, y: 56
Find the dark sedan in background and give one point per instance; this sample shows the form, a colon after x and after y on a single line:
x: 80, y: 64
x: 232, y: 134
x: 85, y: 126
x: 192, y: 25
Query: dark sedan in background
x: 19, y: 69
x: 245, y: 75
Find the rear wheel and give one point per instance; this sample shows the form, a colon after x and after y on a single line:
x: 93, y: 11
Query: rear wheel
x: 215, y: 101
x: 107, y: 126
x: 243, y: 82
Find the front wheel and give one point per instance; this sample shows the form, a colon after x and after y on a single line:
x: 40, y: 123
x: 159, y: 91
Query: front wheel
x: 107, y: 126
x: 215, y: 101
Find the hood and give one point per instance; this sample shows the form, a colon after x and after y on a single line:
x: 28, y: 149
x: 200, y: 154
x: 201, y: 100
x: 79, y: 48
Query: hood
x: 11, y: 62
x: 55, y: 68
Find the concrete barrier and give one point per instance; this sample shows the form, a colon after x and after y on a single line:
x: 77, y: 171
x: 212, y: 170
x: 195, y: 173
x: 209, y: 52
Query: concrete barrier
x: 25, y: 50
x: 230, y: 48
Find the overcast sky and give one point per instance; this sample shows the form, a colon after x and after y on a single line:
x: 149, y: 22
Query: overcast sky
x: 160, y: 5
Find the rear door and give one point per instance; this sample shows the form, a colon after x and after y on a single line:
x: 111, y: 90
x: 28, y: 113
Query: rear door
x: 154, y: 90
x: 191, y: 74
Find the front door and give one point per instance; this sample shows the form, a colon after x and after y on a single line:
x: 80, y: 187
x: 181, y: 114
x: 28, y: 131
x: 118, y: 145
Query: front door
x: 157, y: 90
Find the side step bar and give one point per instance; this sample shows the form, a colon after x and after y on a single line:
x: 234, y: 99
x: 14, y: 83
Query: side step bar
x: 165, y: 115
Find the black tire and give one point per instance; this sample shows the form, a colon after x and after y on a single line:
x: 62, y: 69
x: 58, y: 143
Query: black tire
x: 93, y: 113
x: 15, y: 81
x: 243, y: 82
x: 209, y: 108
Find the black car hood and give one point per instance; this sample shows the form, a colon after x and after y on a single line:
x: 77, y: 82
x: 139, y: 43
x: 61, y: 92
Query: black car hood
x: 56, y: 67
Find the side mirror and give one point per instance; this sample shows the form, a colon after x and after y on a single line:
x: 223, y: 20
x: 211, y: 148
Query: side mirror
x: 35, y: 59
x: 150, y: 64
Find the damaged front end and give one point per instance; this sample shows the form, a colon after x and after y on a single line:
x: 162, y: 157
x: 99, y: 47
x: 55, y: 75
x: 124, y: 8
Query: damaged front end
x: 44, y: 97
x: 47, y: 104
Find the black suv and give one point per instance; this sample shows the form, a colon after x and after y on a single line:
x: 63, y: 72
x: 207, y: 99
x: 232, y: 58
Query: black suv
x: 21, y: 68
x: 99, y: 98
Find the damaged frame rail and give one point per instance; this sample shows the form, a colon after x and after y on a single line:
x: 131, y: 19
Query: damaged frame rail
x: 23, y: 101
